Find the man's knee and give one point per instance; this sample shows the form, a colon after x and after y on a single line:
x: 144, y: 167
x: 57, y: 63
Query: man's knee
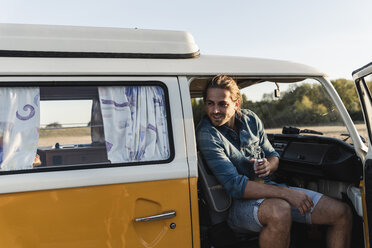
x: 341, y: 212
x: 345, y: 214
x: 331, y: 211
x: 275, y: 211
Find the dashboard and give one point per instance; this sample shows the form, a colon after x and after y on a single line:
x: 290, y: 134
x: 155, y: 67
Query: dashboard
x: 317, y: 156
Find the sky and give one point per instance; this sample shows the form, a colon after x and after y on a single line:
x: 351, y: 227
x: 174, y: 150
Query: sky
x: 334, y: 36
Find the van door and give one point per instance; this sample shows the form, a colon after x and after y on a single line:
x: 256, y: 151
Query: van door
x: 363, y: 83
x: 109, y: 166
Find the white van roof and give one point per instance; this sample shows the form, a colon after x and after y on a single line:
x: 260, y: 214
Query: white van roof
x: 27, y: 40
x: 64, y: 50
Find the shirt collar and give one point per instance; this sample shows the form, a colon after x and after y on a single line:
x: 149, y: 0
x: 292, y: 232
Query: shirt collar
x: 238, y: 121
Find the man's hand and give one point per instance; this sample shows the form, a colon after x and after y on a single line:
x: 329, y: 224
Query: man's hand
x: 299, y: 200
x: 265, y: 167
x: 295, y: 198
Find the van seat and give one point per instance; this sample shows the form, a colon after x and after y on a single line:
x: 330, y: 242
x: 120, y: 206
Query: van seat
x: 217, y: 199
x: 219, y: 202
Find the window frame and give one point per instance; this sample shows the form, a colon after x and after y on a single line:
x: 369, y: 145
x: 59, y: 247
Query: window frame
x: 104, y: 83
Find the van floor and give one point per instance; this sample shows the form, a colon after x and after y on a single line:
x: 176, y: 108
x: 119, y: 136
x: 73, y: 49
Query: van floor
x: 308, y: 236
x: 302, y: 236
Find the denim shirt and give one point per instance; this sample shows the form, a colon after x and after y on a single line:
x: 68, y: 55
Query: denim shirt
x: 227, y: 154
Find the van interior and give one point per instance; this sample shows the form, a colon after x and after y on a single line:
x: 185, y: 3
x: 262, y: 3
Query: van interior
x: 326, y: 163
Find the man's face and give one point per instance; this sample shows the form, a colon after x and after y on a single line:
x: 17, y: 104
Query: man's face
x: 220, y: 107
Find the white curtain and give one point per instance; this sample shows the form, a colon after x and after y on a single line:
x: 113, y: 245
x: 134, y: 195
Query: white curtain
x: 135, y: 123
x: 19, y: 127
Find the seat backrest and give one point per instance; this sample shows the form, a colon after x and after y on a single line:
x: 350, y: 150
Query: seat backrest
x: 217, y: 199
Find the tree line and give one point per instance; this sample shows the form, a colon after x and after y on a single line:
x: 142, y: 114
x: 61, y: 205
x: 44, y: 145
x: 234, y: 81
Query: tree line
x: 305, y: 104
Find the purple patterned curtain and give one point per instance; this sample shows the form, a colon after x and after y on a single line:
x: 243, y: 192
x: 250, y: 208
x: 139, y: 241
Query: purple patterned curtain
x: 135, y: 123
x: 19, y: 127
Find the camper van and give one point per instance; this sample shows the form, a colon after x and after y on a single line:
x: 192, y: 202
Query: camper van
x: 98, y: 149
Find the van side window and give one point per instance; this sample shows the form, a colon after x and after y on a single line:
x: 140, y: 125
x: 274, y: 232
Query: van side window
x: 84, y: 126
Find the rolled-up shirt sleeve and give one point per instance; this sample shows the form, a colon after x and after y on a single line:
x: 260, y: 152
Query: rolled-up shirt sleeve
x: 226, y: 173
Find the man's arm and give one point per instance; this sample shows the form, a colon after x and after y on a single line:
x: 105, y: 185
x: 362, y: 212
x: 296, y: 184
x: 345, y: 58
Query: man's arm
x: 298, y: 199
x: 258, y: 190
x: 213, y: 151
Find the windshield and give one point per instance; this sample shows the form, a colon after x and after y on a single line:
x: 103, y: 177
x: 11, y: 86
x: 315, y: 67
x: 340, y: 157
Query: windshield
x: 304, y: 105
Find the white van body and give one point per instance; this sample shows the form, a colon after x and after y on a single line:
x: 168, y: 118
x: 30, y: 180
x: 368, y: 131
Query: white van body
x: 51, y: 205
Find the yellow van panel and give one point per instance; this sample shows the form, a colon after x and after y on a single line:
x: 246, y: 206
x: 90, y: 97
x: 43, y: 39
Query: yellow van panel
x: 194, y: 211
x: 365, y: 219
x: 97, y: 216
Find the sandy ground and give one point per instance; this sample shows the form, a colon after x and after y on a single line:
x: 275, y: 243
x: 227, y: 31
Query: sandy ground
x: 51, y: 141
x: 331, y: 131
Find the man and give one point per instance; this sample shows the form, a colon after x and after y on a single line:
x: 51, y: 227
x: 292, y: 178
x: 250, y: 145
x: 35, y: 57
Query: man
x: 225, y: 138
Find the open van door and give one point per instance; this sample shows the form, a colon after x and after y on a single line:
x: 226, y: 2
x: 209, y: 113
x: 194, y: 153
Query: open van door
x: 363, y: 82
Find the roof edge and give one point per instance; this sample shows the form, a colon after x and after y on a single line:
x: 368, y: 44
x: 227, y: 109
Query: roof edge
x: 53, y: 54
x: 29, y: 40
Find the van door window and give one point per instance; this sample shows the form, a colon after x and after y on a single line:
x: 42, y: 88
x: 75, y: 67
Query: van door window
x: 88, y: 126
x: 369, y: 82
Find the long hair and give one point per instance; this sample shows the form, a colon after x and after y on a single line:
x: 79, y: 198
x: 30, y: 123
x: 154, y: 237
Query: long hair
x: 226, y: 83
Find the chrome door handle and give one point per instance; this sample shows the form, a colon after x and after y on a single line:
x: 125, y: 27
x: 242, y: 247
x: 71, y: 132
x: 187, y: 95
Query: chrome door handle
x: 162, y: 216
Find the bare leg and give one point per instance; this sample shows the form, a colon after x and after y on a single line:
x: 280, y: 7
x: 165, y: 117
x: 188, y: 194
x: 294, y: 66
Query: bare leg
x: 275, y: 215
x: 338, y: 216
